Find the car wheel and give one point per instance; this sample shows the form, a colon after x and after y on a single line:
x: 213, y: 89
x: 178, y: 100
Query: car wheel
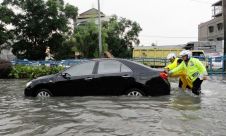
x: 135, y: 92
x: 43, y: 93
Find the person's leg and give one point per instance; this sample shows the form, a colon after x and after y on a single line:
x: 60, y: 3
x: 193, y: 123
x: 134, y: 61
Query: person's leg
x: 196, y: 89
x: 180, y: 83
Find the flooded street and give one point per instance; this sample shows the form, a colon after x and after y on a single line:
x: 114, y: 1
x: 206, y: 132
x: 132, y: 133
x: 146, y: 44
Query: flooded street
x: 177, y: 114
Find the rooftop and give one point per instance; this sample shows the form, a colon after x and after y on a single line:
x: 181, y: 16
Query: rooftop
x: 218, y: 3
x: 91, y: 13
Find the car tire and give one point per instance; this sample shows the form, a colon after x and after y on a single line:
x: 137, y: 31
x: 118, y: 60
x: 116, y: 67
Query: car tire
x: 135, y: 92
x: 43, y: 93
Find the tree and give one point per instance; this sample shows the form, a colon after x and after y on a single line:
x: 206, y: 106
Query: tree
x: 5, y: 35
x: 38, y: 24
x: 86, y: 36
x: 153, y: 44
x: 122, y: 35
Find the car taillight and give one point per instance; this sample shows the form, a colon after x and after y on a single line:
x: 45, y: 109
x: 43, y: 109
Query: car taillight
x: 164, y: 75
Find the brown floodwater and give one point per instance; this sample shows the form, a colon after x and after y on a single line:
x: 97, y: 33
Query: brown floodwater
x: 177, y: 114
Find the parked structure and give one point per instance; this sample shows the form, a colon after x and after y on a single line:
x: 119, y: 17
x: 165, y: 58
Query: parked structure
x: 207, y: 46
x: 213, y: 30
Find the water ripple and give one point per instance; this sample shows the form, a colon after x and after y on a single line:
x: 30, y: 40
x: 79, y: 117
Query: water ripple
x: 178, y: 114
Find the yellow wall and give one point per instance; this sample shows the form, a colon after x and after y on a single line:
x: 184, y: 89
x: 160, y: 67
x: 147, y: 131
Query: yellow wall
x: 154, y: 53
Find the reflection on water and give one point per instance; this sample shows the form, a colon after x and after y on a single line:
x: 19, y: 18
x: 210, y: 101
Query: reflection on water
x: 177, y: 114
x: 186, y: 102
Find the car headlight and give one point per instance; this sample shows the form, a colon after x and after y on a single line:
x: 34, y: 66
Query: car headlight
x: 28, y: 83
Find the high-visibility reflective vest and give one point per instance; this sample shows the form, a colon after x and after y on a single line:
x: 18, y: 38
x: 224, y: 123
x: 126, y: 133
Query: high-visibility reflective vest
x: 181, y: 74
x: 193, y: 69
x: 172, y: 65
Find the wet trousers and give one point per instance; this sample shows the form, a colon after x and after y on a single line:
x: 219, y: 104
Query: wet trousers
x: 196, y: 89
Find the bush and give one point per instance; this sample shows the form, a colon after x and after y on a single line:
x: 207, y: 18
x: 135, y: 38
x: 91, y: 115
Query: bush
x: 5, y: 68
x: 21, y: 71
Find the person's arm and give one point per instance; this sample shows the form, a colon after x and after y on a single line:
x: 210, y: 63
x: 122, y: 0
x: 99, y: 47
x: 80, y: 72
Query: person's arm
x: 166, y: 68
x: 202, y: 70
x: 178, y: 68
x: 172, y: 65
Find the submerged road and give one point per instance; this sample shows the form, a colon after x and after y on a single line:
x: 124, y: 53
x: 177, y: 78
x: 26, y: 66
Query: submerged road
x: 177, y: 114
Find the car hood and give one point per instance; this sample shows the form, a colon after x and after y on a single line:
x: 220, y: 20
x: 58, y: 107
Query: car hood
x: 45, y: 77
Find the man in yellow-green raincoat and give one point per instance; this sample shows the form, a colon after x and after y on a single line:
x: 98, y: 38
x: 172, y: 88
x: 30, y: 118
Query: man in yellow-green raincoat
x: 174, y: 62
x: 194, y: 69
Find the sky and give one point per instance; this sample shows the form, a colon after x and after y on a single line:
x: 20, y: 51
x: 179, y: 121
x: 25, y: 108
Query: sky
x: 164, y: 22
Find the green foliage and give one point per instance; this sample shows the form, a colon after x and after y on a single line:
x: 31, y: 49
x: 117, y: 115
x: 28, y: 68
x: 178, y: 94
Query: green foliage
x: 153, y: 44
x: 86, y: 37
x: 122, y: 34
x: 38, y: 24
x: 21, y: 71
x: 67, y: 51
x: 71, y: 11
x: 5, y: 35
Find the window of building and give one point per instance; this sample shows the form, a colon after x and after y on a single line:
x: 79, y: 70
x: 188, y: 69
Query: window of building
x: 220, y: 26
x: 219, y: 38
x: 211, y: 29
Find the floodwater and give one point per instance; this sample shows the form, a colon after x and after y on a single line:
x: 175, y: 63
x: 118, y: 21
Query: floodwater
x: 178, y: 114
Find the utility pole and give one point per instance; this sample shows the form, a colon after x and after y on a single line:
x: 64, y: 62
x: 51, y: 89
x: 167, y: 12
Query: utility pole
x: 100, y: 37
x: 224, y: 18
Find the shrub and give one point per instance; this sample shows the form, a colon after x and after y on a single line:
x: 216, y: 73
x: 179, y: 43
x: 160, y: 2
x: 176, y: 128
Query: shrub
x: 21, y: 71
x: 5, y: 68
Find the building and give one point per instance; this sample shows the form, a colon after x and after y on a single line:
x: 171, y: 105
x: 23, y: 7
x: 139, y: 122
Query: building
x: 206, y: 46
x: 91, y: 15
x: 213, y: 30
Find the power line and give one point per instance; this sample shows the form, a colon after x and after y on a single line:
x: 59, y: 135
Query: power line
x: 168, y: 37
x: 203, y: 2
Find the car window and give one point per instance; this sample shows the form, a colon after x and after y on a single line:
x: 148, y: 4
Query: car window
x: 124, y: 68
x: 85, y: 68
x: 218, y: 59
x: 111, y: 66
x: 199, y: 55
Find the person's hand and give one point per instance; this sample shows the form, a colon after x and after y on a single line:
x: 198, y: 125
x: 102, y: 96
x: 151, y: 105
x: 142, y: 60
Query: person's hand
x: 166, y: 70
x: 204, y: 77
x: 170, y: 73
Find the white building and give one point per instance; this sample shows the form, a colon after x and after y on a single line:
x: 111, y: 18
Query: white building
x: 90, y: 15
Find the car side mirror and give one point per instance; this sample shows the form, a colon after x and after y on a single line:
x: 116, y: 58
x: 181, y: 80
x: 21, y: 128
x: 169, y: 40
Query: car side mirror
x: 66, y: 75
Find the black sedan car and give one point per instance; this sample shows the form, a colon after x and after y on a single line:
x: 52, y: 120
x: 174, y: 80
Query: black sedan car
x: 101, y: 77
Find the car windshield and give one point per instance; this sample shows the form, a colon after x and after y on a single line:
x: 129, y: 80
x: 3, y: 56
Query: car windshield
x: 198, y: 55
x: 217, y: 59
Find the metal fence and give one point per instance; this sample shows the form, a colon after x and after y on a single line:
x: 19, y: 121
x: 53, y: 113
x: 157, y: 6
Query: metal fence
x: 214, y: 65
x: 63, y: 63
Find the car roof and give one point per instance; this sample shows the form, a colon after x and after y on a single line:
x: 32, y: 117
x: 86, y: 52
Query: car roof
x: 130, y: 63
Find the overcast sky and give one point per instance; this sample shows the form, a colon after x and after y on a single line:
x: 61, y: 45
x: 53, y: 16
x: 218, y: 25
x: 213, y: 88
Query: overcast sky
x: 164, y: 22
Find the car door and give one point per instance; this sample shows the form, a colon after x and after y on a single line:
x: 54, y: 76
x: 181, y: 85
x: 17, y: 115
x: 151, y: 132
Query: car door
x: 77, y: 80
x: 113, y: 77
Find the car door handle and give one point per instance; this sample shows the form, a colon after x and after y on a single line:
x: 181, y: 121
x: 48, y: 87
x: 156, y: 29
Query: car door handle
x: 126, y: 76
x: 88, y: 78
